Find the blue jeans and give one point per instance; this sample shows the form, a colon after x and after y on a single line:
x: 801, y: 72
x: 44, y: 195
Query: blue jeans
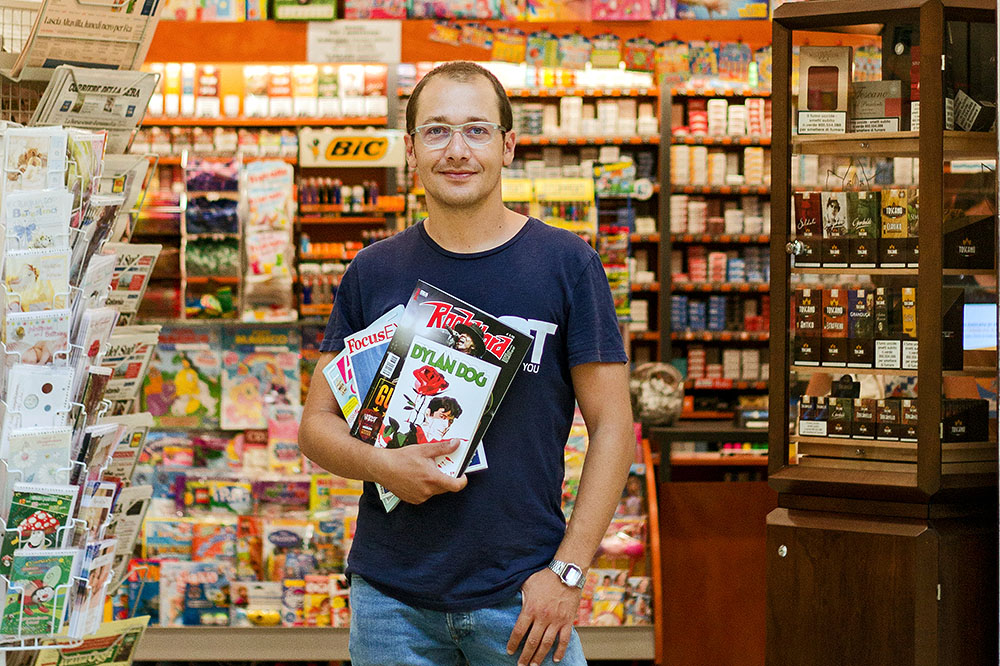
x: 386, y: 632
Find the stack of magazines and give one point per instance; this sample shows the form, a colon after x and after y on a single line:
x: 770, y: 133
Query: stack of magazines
x: 434, y: 370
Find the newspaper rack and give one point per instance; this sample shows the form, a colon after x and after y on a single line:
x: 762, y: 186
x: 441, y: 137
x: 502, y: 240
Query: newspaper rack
x: 19, y: 20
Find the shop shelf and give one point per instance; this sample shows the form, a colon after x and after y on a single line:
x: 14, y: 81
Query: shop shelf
x: 721, y: 336
x: 723, y: 385
x: 721, y: 189
x: 644, y: 238
x: 707, y: 91
x: 263, y: 122
x: 341, y: 219
x: 957, y: 145
x: 741, y: 287
x: 650, y: 140
x: 728, y: 239
x: 704, y: 140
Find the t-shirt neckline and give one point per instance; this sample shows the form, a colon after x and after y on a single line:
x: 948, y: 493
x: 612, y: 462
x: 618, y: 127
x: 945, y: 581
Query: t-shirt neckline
x: 477, y: 255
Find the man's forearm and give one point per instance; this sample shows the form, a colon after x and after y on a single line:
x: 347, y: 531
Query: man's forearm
x: 326, y: 440
x: 609, y: 455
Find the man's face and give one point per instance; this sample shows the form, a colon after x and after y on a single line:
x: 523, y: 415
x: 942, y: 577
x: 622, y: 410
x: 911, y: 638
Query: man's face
x: 456, y: 174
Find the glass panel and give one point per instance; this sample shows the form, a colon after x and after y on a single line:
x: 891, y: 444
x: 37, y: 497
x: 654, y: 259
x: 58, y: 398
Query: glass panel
x: 855, y: 218
x: 969, y: 319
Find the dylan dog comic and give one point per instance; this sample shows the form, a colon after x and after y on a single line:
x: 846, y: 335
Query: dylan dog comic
x: 443, y: 376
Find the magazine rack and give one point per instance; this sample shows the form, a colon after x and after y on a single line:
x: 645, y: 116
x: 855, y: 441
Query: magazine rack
x: 19, y: 22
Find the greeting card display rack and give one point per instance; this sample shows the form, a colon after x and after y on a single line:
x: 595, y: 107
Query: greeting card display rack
x: 58, y: 538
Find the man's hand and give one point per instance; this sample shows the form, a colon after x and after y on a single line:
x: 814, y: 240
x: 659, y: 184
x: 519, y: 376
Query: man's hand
x: 412, y: 475
x: 548, y: 610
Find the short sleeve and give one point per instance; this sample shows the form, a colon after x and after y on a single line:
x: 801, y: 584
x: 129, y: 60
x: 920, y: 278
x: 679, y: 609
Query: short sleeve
x: 593, y: 335
x: 346, y: 317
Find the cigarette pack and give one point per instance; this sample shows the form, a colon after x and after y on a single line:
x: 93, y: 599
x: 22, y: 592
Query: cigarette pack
x: 839, y: 422
x: 863, y: 418
x: 834, y: 346
x: 887, y: 417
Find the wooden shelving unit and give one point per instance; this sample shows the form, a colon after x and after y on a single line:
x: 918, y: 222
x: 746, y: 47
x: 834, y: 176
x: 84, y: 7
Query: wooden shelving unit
x: 907, y: 530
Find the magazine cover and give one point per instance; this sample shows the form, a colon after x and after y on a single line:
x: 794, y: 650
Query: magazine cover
x: 128, y: 353
x: 174, y: 580
x: 259, y: 365
x: 365, y: 349
x: 126, y: 454
x: 128, y: 284
x: 40, y: 581
x: 456, y: 342
x: 112, y: 644
x: 184, y: 384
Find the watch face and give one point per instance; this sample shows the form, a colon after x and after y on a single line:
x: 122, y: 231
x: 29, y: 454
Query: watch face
x: 572, y: 575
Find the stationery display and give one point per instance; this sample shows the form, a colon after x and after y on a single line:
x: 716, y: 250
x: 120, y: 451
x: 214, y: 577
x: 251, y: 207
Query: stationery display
x: 66, y: 496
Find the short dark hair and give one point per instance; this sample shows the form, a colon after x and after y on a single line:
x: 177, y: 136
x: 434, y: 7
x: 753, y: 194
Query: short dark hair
x: 461, y: 70
x: 446, y: 403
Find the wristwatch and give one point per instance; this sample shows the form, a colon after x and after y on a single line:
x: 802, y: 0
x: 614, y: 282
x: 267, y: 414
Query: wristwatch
x: 568, y: 573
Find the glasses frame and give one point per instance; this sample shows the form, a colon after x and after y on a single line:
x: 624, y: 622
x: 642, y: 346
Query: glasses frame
x: 457, y: 129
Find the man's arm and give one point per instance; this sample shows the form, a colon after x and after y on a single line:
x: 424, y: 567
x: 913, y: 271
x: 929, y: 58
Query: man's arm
x: 325, y: 439
x: 550, y: 606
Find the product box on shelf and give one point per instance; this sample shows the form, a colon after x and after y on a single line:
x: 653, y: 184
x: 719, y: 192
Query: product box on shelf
x: 895, y: 229
x: 834, y: 343
x: 808, y: 322
x: 860, y: 328
x: 809, y: 228
x: 876, y: 106
x: 824, y: 77
x: 863, y: 216
x: 840, y: 420
x: 863, y: 418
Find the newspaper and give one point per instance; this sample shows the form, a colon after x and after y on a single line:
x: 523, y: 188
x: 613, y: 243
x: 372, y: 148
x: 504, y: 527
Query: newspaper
x: 97, y: 99
x: 135, y: 264
x: 115, y: 35
x: 126, y: 174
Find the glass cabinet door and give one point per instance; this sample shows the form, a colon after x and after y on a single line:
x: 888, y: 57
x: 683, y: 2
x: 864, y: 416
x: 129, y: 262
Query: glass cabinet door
x: 887, y: 266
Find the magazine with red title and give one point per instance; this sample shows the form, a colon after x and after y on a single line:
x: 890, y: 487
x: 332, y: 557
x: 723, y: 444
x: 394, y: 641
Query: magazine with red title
x: 443, y: 376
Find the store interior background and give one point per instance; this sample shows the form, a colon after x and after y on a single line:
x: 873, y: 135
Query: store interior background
x: 703, y: 524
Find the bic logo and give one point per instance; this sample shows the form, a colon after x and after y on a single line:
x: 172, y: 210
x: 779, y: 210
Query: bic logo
x: 353, y: 148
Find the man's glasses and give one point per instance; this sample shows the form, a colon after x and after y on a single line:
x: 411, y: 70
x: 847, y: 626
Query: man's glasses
x: 477, y: 134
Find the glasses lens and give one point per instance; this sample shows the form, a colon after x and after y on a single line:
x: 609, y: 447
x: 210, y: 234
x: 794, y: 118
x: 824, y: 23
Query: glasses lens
x: 434, y: 136
x: 477, y: 134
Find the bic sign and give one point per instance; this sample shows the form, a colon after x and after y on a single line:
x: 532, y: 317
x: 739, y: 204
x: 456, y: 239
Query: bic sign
x: 351, y: 148
x: 329, y: 147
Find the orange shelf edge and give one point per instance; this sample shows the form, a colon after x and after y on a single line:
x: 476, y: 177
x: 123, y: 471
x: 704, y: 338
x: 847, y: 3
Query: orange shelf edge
x: 652, y: 502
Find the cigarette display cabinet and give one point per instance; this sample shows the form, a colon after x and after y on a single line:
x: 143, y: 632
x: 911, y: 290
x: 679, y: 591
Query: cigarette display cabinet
x: 883, y: 348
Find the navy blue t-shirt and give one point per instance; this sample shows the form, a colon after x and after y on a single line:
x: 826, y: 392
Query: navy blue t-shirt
x: 471, y: 549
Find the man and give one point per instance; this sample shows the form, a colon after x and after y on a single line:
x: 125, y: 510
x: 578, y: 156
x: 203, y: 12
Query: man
x: 460, y: 571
